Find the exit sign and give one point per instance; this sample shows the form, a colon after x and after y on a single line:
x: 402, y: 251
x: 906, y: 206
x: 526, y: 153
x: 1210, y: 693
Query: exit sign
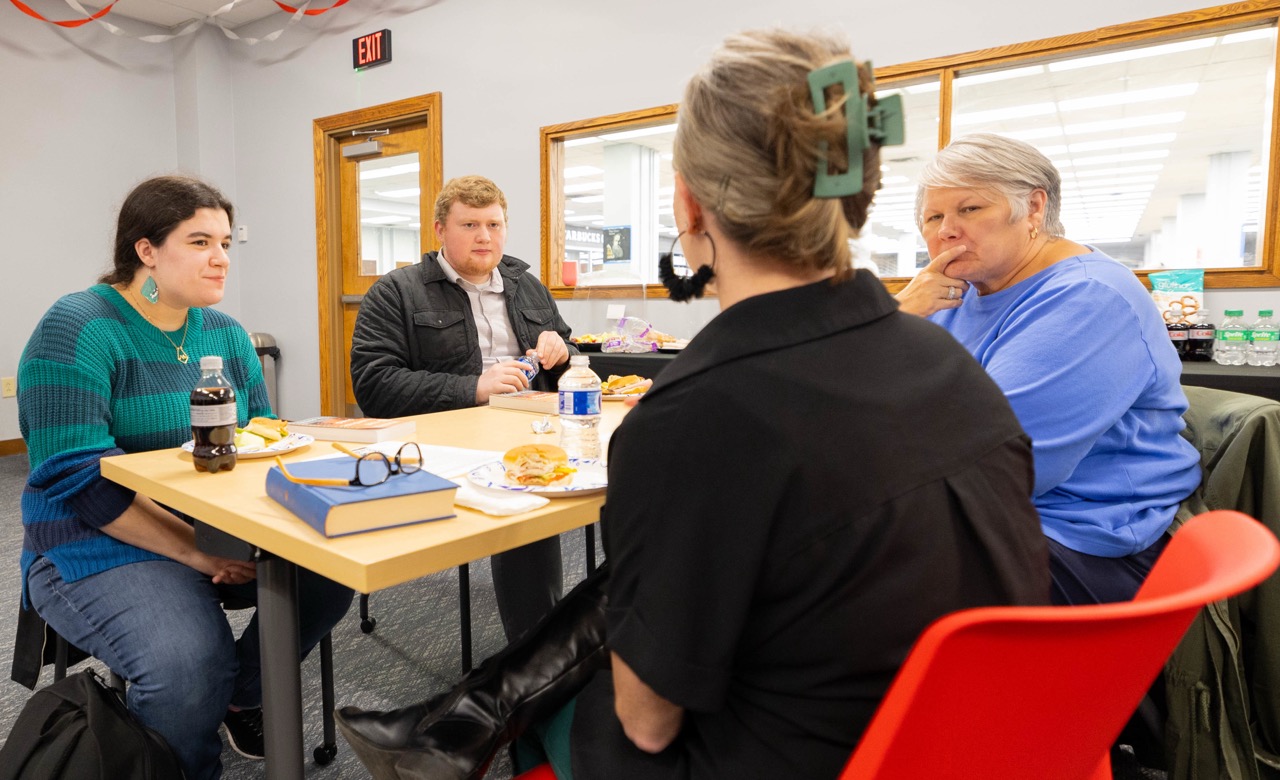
x: 372, y: 49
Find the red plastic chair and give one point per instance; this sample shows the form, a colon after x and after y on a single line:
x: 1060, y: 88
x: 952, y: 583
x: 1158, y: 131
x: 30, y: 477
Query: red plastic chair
x: 1007, y: 693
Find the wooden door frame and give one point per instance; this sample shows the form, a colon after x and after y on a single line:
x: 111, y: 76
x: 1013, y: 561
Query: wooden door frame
x: 326, y: 134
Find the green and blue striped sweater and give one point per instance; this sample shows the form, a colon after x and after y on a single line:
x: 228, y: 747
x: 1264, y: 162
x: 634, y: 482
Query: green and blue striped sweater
x: 96, y: 379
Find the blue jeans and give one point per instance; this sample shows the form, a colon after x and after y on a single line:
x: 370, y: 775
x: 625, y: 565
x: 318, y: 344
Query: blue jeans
x: 160, y: 625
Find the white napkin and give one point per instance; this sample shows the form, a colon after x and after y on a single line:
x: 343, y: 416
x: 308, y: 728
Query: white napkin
x: 494, y: 502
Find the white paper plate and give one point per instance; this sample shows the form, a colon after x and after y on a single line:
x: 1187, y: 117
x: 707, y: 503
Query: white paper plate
x: 589, y: 478
x: 294, y: 441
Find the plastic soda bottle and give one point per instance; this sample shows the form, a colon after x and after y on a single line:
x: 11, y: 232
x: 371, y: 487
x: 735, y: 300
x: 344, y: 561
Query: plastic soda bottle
x: 213, y: 419
x: 579, y: 396
x: 1233, y: 339
x: 1264, y: 340
x: 1179, y: 331
x: 1201, y: 337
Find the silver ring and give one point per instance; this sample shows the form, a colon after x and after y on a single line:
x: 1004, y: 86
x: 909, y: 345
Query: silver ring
x: 951, y: 293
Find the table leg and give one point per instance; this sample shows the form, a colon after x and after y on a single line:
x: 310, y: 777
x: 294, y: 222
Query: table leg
x: 464, y: 612
x: 281, y: 676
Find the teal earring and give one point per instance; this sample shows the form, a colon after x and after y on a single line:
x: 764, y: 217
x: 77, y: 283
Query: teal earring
x: 149, y: 290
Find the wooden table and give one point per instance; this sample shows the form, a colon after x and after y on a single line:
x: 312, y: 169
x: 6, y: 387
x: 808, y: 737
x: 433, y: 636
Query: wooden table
x: 236, y: 503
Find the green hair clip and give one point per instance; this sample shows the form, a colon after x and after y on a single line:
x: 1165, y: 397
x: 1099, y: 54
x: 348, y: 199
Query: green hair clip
x: 882, y: 124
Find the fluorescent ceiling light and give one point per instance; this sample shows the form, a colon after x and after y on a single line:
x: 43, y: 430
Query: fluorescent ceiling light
x: 586, y: 186
x: 1120, y: 171
x: 998, y: 75
x: 1131, y: 54
x: 1250, y: 35
x: 582, y: 218
x: 1003, y: 114
x: 387, y: 220
x: 1034, y: 134
x: 1107, y: 125
x: 414, y: 225
x: 893, y: 179
x: 588, y: 199
x: 1107, y: 159
x: 410, y: 192
x: 639, y: 133
x: 1129, y: 96
x: 585, y: 140
x: 577, y: 171
x: 1104, y: 126
x: 390, y: 170
x: 1112, y: 181
x: 1119, y: 143
x: 928, y: 86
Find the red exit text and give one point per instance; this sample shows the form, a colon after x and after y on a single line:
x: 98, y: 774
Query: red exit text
x: 372, y: 49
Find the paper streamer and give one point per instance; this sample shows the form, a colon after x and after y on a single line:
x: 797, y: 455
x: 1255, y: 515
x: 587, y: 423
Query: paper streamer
x: 304, y: 9
x: 26, y: 9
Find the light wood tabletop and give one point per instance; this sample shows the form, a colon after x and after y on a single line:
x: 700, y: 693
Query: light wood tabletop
x: 236, y: 502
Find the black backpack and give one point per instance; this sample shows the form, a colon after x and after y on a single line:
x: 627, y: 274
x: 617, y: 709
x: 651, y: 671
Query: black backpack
x: 80, y: 729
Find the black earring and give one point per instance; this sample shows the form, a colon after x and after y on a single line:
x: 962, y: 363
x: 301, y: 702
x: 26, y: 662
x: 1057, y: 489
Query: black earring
x: 682, y: 288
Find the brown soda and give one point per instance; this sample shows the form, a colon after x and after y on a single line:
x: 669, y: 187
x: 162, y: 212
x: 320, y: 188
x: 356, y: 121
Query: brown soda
x: 213, y: 419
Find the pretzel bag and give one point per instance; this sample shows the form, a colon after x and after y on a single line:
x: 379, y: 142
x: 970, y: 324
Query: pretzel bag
x: 1178, y: 294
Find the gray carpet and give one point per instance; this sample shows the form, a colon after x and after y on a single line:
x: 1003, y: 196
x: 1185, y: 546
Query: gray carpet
x: 413, y: 652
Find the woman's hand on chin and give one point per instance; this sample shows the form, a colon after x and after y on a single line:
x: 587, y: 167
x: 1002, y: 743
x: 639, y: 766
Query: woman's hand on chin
x: 932, y: 290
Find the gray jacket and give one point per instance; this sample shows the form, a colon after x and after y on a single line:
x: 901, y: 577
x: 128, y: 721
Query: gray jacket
x: 415, y: 349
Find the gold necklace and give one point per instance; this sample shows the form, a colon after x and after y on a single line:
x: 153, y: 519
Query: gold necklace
x: 177, y: 346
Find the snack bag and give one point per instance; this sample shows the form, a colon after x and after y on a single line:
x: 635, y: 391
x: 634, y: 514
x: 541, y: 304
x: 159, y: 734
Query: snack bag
x: 633, y: 336
x: 1178, y: 294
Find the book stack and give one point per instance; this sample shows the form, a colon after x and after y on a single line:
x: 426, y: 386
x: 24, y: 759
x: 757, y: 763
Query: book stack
x: 337, y: 511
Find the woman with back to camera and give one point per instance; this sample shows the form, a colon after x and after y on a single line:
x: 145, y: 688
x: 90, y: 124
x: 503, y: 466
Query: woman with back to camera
x: 110, y: 370
x: 790, y: 504
x: 1072, y: 338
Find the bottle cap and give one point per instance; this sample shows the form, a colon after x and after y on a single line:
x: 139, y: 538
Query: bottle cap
x: 211, y: 363
x: 1235, y: 312
x: 579, y: 360
x: 1264, y: 313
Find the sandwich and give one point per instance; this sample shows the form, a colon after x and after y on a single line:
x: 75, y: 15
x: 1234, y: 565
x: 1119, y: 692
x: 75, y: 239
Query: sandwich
x: 538, y: 465
x: 270, y: 429
x: 625, y: 385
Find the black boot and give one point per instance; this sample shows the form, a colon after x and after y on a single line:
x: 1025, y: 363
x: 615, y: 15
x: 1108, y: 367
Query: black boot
x: 455, y: 735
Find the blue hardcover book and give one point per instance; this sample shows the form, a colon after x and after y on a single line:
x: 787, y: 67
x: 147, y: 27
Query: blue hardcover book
x: 336, y: 511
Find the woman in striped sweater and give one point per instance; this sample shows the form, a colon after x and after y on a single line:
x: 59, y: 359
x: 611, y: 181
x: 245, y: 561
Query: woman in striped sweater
x: 110, y: 370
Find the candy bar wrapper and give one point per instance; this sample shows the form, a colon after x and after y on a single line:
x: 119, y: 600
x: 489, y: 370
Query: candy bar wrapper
x: 1178, y: 294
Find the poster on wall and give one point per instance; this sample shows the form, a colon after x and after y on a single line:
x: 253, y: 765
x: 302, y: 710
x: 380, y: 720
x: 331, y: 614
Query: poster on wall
x: 617, y: 244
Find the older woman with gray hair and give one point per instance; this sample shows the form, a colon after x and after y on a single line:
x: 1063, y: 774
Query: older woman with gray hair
x: 1073, y: 339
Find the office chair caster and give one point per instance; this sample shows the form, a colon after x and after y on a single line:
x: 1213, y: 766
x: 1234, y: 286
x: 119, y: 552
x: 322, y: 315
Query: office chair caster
x: 366, y: 623
x: 324, y: 754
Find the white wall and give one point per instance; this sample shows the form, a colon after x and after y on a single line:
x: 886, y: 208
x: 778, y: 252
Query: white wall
x: 105, y: 112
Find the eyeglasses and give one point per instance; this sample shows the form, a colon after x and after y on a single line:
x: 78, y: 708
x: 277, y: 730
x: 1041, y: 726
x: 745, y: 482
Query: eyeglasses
x: 372, y: 468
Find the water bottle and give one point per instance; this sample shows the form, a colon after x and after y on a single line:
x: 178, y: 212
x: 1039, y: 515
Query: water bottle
x: 579, y: 390
x: 1264, y: 340
x: 213, y: 419
x: 1233, y: 339
x: 1201, y: 337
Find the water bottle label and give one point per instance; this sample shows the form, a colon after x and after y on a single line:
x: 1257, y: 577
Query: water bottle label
x: 579, y: 402
x: 1233, y: 335
x: 210, y: 416
x: 1265, y: 335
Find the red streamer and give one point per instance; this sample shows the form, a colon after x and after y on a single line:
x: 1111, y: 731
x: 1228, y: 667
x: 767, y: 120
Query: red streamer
x: 78, y: 22
x: 308, y: 12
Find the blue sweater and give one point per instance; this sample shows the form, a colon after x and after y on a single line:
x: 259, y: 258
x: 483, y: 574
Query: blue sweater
x: 1086, y: 363
x: 97, y: 379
